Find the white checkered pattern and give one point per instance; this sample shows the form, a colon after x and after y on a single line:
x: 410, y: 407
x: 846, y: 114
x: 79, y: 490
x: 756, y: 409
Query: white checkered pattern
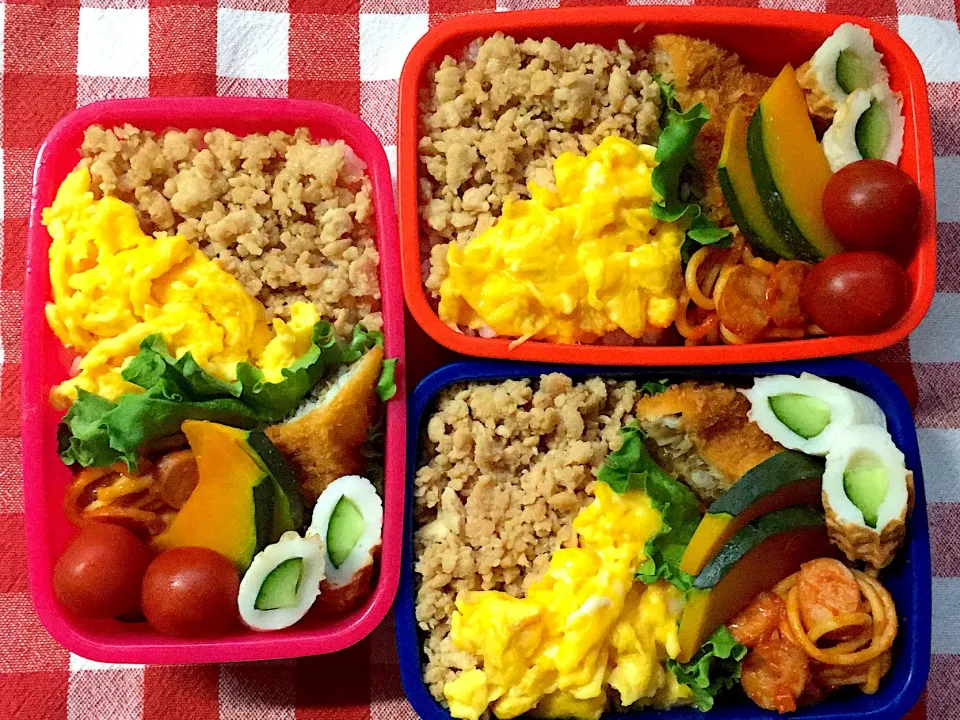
x: 385, y: 40
x: 252, y: 44
x: 114, y: 42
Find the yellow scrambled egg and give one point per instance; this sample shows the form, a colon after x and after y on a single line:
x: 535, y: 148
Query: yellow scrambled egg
x: 572, y: 265
x: 113, y: 285
x: 584, y: 626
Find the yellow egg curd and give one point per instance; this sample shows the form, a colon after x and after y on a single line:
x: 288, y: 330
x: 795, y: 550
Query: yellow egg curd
x: 113, y: 285
x: 586, y: 625
x: 572, y: 265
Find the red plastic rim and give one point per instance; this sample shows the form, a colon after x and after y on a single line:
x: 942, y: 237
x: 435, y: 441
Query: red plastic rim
x: 787, y: 37
x: 44, y: 364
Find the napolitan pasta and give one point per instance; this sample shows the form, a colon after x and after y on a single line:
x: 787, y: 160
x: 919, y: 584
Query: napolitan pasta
x: 143, y: 502
x: 862, y: 660
x: 705, y: 277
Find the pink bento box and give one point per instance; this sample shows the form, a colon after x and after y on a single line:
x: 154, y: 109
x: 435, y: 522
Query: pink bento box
x: 46, y: 362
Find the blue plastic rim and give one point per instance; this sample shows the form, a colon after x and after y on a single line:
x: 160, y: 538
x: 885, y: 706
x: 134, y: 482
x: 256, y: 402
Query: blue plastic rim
x: 907, y: 579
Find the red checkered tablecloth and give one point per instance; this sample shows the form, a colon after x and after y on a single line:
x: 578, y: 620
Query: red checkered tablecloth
x: 56, y: 55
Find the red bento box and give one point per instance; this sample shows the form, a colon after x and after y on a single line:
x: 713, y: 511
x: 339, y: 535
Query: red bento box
x: 46, y: 362
x: 766, y: 40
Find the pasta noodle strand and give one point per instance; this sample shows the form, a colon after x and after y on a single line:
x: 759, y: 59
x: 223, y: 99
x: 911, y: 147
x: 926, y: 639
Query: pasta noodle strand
x: 862, y: 660
x: 704, y: 280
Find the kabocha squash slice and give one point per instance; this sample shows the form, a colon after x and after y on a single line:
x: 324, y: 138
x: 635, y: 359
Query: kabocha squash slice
x: 240, y: 504
x: 740, y: 191
x: 790, y: 169
x: 755, y: 559
x: 287, y: 501
x: 788, y: 478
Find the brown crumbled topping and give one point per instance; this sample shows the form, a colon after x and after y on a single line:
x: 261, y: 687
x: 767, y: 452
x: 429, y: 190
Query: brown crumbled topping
x: 505, y: 467
x: 289, y: 218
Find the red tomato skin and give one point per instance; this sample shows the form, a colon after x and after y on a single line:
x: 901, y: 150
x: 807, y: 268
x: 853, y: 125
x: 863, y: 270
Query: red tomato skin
x: 855, y: 293
x: 873, y: 205
x: 99, y: 574
x: 190, y: 591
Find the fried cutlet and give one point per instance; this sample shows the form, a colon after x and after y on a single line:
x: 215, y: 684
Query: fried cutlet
x: 703, y: 72
x: 700, y: 434
x: 324, y: 439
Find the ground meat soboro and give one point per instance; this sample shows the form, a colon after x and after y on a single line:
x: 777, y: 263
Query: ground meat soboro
x: 504, y: 470
x: 290, y: 218
x: 493, y: 123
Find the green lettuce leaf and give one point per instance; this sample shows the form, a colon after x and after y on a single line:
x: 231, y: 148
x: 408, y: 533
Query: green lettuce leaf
x: 79, y: 436
x: 668, y: 97
x: 387, y: 385
x: 680, y: 513
x: 623, y: 469
x: 703, y: 231
x: 655, y: 387
x: 632, y: 468
x: 98, y: 432
x: 674, y: 156
x: 714, y: 668
x: 154, y: 364
x: 674, y: 153
x: 327, y: 352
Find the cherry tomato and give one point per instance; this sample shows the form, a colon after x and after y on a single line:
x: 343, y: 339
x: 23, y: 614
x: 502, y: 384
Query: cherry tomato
x: 783, y: 294
x: 742, y: 306
x: 855, y: 293
x: 872, y: 205
x: 99, y: 574
x: 190, y: 591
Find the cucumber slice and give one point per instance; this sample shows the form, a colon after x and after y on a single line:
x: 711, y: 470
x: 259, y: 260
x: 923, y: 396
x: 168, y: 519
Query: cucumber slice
x: 866, y: 483
x: 279, y: 589
x: 873, y: 132
x: 806, y: 415
x: 851, y: 71
x: 345, y: 528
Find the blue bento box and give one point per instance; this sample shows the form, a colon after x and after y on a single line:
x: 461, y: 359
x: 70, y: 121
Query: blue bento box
x: 907, y: 578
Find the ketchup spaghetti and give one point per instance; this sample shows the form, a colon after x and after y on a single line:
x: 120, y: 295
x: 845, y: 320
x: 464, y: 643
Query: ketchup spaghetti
x: 763, y: 302
x: 859, y: 653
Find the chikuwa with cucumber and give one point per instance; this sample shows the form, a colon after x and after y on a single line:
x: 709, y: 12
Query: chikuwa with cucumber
x: 846, y: 83
x: 330, y: 565
x: 867, y: 488
x: 282, y: 583
x: 804, y: 413
x: 846, y: 62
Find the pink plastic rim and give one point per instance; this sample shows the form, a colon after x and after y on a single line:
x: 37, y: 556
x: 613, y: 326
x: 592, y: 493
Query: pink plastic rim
x: 784, y: 36
x: 45, y: 476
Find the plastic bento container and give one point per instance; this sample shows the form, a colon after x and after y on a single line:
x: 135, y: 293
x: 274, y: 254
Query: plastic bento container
x: 46, y: 362
x: 907, y: 578
x: 766, y: 40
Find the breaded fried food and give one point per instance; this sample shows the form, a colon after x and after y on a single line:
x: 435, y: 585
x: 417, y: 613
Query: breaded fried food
x: 701, y: 435
x: 322, y: 441
x: 703, y: 72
